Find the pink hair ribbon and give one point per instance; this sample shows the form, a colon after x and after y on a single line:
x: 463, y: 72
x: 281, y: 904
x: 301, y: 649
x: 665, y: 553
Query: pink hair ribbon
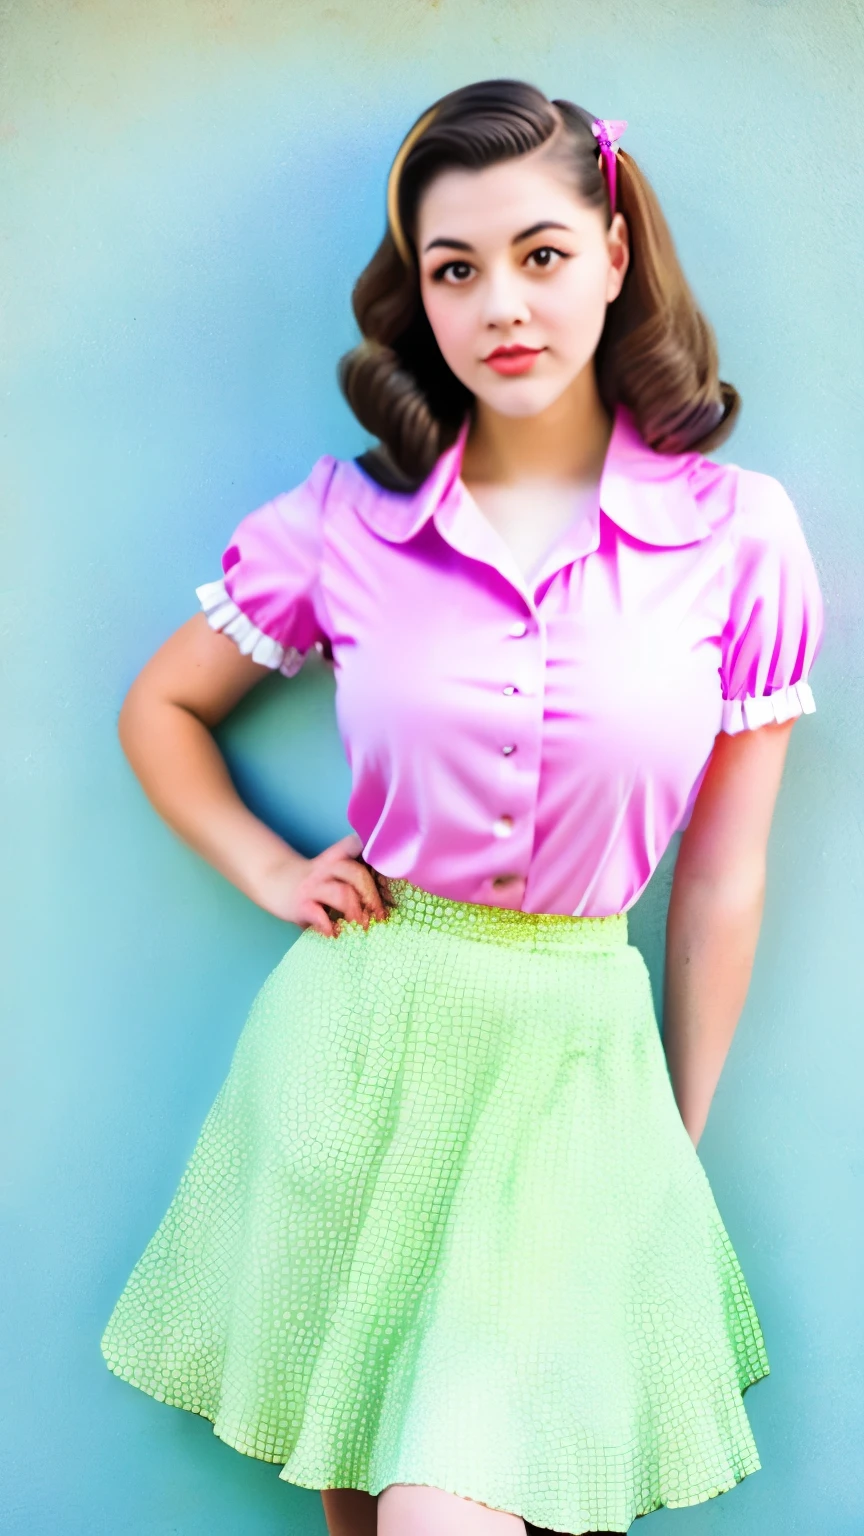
x: 607, y: 130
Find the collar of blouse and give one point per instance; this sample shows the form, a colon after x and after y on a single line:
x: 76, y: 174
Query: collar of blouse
x: 661, y: 500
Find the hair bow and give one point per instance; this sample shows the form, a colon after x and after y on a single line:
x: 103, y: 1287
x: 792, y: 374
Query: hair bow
x: 607, y: 130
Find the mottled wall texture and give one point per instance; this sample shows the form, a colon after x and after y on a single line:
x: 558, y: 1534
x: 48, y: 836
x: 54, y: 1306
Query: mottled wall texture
x: 189, y: 188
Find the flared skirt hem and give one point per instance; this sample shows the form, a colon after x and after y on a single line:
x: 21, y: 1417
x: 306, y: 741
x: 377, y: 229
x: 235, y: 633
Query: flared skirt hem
x: 430, y: 1477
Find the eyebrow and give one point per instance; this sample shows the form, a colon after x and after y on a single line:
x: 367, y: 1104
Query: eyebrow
x: 462, y: 245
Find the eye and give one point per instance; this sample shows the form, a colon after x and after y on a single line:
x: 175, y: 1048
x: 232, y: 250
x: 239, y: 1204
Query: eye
x: 461, y: 270
x: 545, y: 255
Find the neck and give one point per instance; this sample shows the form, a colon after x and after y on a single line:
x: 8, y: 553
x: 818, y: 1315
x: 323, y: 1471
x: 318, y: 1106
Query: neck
x: 567, y: 441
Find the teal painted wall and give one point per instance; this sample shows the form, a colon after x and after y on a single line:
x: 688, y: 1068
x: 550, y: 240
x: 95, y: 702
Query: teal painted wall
x: 189, y: 188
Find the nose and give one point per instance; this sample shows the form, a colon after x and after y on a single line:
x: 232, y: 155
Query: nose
x: 504, y: 299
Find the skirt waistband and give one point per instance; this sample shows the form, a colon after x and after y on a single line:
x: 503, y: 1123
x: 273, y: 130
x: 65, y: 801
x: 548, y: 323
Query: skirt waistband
x: 472, y: 920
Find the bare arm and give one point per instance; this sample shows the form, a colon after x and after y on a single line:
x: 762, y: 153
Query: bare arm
x: 192, y: 682
x: 715, y: 912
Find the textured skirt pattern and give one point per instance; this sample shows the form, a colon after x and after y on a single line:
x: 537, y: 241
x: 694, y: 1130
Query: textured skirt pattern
x: 443, y: 1224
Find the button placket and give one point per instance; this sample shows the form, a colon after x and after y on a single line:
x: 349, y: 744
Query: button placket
x: 534, y: 746
x: 524, y: 756
x: 506, y: 824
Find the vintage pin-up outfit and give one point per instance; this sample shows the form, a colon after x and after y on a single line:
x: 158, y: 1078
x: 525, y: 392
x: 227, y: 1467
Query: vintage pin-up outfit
x: 444, y: 1223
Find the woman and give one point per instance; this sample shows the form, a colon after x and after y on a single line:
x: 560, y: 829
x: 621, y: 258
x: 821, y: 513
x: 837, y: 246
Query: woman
x: 445, y: 1247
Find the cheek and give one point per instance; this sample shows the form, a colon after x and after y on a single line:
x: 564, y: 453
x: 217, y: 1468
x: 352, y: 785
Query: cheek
x: 452, y: 324
x: 576, y: 308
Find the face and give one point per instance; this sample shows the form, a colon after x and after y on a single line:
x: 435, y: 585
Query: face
x: 515, y: 276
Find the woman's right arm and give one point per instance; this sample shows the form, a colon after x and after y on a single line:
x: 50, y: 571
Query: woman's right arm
x: 192, y: 682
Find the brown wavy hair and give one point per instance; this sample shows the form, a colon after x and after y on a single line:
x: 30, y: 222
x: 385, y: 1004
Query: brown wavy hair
x: 657, y: 354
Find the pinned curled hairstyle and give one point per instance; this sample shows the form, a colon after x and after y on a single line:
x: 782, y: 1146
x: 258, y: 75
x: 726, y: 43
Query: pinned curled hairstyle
x: 657, y: 354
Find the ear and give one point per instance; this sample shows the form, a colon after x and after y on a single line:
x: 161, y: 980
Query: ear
x: 618, y: 245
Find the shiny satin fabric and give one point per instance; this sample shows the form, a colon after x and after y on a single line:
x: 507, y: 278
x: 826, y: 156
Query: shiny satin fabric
x: 532, y: 744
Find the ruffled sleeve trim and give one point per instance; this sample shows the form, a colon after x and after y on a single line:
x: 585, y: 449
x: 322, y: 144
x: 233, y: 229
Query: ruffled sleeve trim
x: 785, y: 704
x: 223, y: 614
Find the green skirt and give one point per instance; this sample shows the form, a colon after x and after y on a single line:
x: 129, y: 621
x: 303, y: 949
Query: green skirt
x: 443, y: 1224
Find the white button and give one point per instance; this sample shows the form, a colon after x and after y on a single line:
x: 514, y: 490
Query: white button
x: 509, y: 689
x: 503, y: 826
x: 518, y: 629
x: 508, y: 750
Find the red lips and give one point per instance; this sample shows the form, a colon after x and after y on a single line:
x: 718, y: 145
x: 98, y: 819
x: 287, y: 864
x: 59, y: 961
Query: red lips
x: 513, y: 359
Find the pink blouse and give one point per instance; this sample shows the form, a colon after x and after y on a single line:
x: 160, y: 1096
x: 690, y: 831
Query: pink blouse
x: 531, y: 744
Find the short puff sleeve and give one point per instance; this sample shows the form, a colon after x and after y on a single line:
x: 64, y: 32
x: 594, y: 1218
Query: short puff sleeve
x: 268, y: 600
x: 774, y: 630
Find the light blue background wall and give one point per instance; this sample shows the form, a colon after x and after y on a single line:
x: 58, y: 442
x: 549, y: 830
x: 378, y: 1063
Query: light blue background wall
x: 188, y: 191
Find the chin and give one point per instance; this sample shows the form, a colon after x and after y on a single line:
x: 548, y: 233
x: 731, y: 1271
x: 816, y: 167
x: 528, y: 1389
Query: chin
x: 522, y: 397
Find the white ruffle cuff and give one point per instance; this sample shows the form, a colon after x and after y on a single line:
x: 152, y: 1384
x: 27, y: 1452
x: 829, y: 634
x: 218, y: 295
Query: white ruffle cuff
x: 223, y: 614
x: 786, y: 704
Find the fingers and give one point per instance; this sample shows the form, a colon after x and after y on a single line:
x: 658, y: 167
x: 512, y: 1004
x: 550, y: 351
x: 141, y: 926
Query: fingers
x: 362, y: 879
x: 342, y: 895
x: 318, y: 920
x: 347, y: 885
x: 331, y: 899
x: 341, y: 861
